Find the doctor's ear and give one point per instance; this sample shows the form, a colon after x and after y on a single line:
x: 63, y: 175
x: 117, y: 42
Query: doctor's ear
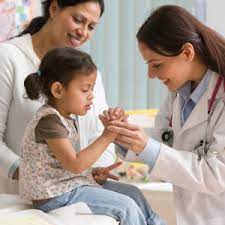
x: 57, y: 90
x: 188, y: 52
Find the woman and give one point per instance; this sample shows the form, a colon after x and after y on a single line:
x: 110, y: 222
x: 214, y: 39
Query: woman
x: 64, y: 23
x: 187, y: 145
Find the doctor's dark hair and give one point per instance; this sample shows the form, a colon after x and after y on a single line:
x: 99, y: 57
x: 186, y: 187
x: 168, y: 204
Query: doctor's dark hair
x: 37, y: 23
x: 59, y: 64
x: 169, y: 27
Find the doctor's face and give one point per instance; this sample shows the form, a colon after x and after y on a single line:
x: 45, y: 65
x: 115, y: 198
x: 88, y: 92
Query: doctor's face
x: 172, y: 71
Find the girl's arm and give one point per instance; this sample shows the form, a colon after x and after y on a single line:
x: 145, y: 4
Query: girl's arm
x: 79, y: 162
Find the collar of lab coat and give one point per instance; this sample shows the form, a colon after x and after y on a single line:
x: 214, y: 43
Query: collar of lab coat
x: 200, y: 111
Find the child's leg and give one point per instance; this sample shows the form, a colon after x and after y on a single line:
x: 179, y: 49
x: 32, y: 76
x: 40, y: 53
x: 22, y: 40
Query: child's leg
x: 101, y: 202
x: 105, y: 202
x: 134, y: 193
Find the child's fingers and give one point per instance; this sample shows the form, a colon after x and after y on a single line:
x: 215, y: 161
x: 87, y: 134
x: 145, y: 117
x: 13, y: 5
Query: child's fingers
x: 99, y: 170
x: 100, y: 179
x: 113, y: 176
x: 102, y: 118
x: 125, y: 119
x: 106, y: 114
x: 118, y: 111
x: 122, y: 117
x: 111, y: 114
x: 113, y: 166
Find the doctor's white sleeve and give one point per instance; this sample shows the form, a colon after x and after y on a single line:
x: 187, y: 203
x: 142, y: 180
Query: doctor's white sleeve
x: 183, y: 169
x: 146, y: 156
x: 9, y: 161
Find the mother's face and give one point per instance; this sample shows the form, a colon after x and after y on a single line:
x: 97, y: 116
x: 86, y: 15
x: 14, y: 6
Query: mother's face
x: 73, y: 25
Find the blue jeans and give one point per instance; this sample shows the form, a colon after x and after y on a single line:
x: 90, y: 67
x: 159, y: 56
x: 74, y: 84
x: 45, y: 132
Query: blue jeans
x: 123, y: 202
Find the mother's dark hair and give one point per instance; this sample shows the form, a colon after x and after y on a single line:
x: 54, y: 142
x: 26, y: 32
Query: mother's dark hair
x: 37, y: 23
x: 169, y: 27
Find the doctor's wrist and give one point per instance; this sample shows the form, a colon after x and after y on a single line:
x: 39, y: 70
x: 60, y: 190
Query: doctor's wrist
x: 142, y: 144
x: 150, y: 153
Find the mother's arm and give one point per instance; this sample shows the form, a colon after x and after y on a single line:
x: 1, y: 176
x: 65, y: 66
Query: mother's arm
x: 9, y: 160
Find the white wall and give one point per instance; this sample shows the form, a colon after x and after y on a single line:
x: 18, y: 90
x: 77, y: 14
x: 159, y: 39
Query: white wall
x: 37, y: 7
x: 215, y: 15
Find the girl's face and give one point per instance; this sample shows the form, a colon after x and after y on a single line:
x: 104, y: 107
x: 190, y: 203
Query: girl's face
x: 77, y: 97
x: 73, y: 25
x: 174, y: 71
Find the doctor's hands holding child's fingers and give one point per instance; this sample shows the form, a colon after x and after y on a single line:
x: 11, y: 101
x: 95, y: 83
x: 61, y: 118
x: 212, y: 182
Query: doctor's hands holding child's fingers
x: 101, y: 174
x: 112, y: 114
x: 130, y: 136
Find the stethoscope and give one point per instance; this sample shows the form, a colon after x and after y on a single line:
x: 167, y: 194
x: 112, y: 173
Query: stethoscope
x: 202, y: 148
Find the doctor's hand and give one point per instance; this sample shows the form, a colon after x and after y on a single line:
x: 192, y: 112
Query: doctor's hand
x: 113, y: 114
x: 130, y: 136
x: 101, y: 174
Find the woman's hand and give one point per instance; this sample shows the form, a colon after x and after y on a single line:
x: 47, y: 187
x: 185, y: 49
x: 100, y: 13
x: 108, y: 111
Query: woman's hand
x: 130, y: 136
x: 101, y: 174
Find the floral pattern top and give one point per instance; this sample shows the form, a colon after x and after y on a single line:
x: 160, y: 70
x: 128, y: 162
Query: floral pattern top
x: 41, y: 174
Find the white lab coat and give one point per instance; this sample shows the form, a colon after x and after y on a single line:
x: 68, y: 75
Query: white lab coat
x: 199, y: 186
x: 17, y: 60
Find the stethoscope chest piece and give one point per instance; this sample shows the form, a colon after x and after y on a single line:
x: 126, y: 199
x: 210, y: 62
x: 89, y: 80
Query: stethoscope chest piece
x: 167, y: 136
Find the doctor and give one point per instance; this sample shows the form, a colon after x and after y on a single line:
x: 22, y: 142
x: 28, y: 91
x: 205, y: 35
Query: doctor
x: 187, y: 145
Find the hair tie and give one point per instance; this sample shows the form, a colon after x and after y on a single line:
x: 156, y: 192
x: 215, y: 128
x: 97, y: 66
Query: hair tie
x: 39, y: 73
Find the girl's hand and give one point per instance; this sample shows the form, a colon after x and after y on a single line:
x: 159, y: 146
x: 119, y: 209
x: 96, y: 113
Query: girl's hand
x: 101, y: 174
x: 130, y: 136
x: 111, y: 114
x: 16, y: 175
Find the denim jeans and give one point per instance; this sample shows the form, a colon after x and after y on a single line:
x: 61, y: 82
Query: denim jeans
x: 123, y: 202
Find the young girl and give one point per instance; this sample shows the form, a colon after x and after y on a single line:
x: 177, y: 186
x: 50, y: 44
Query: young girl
x: 54, y: 171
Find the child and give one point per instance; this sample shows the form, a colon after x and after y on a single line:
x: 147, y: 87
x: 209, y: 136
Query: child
x: 54, y: 172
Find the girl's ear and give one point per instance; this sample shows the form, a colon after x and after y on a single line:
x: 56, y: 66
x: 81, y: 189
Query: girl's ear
x: 57, y: 90
x: 188, y: 52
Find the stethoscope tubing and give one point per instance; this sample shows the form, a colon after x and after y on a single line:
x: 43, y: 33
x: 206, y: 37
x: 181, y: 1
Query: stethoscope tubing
x: 211, y: 109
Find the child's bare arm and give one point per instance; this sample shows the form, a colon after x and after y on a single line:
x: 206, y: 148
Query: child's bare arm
x: 78, y: 162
